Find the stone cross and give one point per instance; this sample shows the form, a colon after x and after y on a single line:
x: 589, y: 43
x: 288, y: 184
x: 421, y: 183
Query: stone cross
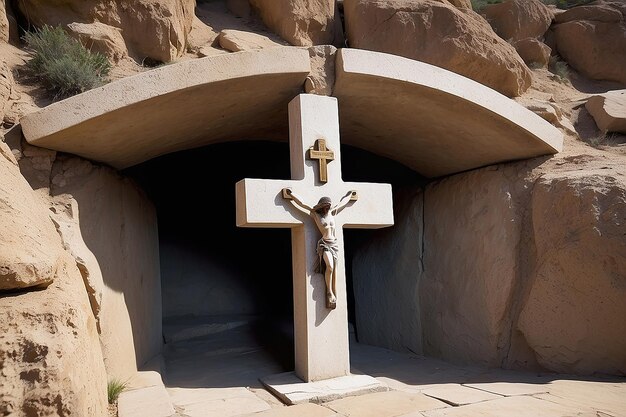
x: 321, y: 334
x: 324, y: 156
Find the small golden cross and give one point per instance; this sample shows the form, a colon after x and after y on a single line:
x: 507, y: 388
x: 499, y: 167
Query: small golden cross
x: 323, y: 156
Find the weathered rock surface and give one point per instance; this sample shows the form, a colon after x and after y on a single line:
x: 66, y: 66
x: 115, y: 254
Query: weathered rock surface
x: 156, y: 29
x: 50, y: 357
x: 6, y: 87
x: 302, y: 22
x: 461, y: 4
x: 4, y: 22
x: 439, y: 34
x: 533, y: 51
x: 118, y: 225
x: 98, y: 37
x: 550, y: 112
x: 523, y: 265
x: 593, y: 41
x: 472, y: 229
x: 515, y: 20
x: 65, y: 217
x: 598, y: 12
x: 31, y: 247
x: 321, y: 80
x: 201, y: 36
x: 609, y: 110
x: 237, y: 40
x: 574, y: 316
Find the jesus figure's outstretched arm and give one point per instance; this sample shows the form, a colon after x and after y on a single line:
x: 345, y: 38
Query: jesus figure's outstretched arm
x: 345, y: 200
x: 289, y: 195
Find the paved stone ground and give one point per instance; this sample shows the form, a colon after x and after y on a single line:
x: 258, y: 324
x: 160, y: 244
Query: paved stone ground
x: 217, y: 375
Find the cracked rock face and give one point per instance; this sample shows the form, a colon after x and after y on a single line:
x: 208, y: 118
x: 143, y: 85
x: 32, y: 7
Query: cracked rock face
x: 302, y: 22
x: 30, y: 244
x: 50, y: 357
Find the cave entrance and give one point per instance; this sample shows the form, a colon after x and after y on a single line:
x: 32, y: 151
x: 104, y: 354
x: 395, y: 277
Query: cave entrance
x: 223, y: 307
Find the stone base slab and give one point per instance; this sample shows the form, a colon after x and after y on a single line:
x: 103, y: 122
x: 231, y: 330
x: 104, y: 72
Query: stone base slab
x: 292, y: 390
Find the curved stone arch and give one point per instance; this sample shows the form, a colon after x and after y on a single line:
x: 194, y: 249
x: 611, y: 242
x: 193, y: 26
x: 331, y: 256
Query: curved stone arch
x: 432, y: 120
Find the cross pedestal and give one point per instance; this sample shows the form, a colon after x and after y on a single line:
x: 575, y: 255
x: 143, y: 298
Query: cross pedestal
x: 321, y: 334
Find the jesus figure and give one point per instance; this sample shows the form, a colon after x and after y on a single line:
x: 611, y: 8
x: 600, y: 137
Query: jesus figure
x: 323, y: 213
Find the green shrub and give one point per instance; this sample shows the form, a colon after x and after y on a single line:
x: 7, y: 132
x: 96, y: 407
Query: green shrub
x: 559, y: 68
x: 62, y: 64
x: 114, y: 389
x: 478, y: 5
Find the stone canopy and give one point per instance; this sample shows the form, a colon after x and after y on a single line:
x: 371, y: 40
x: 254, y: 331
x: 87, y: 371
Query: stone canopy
x: 429, y: 119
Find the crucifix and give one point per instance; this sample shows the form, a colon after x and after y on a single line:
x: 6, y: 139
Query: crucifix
x: 320, y: 310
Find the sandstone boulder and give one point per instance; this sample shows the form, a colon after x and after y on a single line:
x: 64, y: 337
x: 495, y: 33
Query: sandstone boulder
x: 31, y: 247
x: 98, y: 37
x: 591, y: 46
x: 573, y: 318
x: 439, y: 34
x: 533, y: 51
x: 598, y: 13
x: 302, y: 22
x: 514, y: 20
x: 50, y: 357
x: 462, y: 4
x: 609, y: 110
x: 237, y: 40
x: 156, y: 29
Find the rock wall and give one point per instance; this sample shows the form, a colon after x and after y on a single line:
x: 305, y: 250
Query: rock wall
x: 574, y: 315
x: 50, y: 357
x: 472, y: 230
x: 524, y: 266
x: 387, y: 273
x: 119, y: 225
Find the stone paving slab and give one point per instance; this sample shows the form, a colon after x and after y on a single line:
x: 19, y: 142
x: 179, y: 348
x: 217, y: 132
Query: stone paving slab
x: 457, y: 395
x: 509, y: 389
x: 522, y: 406
x: 384, y: 404
x: 300, y: 410
x: 605, y: 397
x: 151, y: 401
x: 292, y: 390
x: 194, y: 363
x: 222, y: 402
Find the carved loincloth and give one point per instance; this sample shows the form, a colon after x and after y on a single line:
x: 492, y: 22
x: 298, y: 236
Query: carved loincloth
x: 326, y: 246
